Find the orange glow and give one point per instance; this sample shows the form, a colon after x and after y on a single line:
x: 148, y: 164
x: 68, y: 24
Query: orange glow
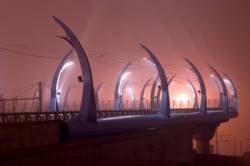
x: 182, y: 98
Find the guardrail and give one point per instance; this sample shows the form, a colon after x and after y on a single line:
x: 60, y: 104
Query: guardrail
x: 21, y: 117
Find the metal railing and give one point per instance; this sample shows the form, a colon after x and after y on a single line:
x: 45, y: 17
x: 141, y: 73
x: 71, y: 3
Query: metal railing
x: 21, y: 117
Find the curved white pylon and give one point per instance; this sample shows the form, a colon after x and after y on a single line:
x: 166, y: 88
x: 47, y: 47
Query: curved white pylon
x: 142, y: 104
x: 196, y: 104
x: 203, y: 106
x: 157, y: 103
x: 171, y: 80
x: 97, y: 96
x: 88, y: 106
x: 235, y: 94
x: 220, y: 90
x: 152, y: 93
x: 65, y: 105
x: 165, y: 104
x: 122, y: 93
x: 54, y: 105
x: 117, y: 99
x: 224, y: 90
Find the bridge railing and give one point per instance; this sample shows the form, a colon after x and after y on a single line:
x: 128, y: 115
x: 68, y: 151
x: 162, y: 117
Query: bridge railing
x: 112, y: 113
x: 106, y: 105
x: 36, y: 116
x: 68, y: 115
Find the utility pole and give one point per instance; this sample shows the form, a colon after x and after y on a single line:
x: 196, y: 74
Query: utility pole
x: 241, y: 147
x: 216, y: 142
x: 227, y: 140
x: 40, y: 90
x: 234, y: 146
x: 247, y: 144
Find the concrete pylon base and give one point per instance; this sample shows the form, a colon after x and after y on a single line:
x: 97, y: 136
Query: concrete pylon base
x: 202, y: 141
x: 203, y: 146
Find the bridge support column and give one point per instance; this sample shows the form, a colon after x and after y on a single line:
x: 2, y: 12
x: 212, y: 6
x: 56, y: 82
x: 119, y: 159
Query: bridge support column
x: 202, y: 141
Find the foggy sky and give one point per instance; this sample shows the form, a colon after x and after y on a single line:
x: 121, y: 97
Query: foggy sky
x: 215, y: 32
